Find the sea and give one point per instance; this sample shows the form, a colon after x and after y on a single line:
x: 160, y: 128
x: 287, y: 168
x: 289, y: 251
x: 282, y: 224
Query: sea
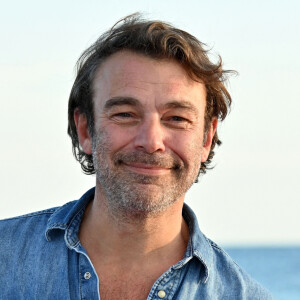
x: 276, y: 268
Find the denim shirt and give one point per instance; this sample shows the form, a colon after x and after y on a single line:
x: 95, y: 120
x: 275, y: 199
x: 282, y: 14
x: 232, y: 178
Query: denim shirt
x: 41, y: 258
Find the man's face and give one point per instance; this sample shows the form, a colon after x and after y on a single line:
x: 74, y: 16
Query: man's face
x: 148, y: 137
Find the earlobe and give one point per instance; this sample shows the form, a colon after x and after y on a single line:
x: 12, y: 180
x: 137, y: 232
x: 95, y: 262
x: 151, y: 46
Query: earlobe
x: 82, y: 131
x: 208, y: 139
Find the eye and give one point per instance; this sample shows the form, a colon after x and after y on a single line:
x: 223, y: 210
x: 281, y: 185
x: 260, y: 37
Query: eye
x: 124, y: 118
x: 177, y: 122
x: 123, y: 115
x: 178, y: 119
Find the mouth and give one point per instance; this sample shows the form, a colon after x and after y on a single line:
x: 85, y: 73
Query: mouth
x: 147, y: 169
x: 149, y: 166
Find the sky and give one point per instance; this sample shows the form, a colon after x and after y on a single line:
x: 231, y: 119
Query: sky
x: 251, y: 197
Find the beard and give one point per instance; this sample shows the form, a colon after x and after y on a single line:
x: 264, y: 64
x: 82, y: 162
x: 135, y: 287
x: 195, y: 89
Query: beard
x: 132, y: 195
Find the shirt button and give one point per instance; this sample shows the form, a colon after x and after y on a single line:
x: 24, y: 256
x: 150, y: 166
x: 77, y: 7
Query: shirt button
x: 161, y: 294
x: 87, y: 275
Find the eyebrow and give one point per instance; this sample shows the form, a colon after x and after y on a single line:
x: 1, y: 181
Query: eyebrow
x: 181, y: 105
x: 119, y: 101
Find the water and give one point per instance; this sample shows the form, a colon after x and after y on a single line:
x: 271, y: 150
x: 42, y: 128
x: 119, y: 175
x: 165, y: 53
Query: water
x: 276, y: 268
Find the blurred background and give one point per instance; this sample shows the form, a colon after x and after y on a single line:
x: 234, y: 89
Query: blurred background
x: 249, y: 203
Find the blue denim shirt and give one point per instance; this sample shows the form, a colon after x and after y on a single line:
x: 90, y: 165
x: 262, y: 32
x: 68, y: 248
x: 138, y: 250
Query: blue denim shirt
x: 41, y: 258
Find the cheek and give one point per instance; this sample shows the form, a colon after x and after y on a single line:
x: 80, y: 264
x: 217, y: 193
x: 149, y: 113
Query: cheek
x: 187, y: 145
x: 118, y: 138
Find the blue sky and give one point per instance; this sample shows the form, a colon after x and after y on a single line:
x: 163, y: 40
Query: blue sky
x: 252, y: 195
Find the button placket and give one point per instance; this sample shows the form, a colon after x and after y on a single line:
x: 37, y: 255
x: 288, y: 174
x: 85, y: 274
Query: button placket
x: 88, y: 279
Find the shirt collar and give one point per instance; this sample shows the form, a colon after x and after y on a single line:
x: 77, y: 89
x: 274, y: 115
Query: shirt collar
x: 68, y: 217
x: 198, y: 246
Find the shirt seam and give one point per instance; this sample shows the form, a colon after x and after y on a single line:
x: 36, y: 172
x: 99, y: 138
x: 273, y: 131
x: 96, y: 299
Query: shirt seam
x: 49, y: 211
x: 67, y: 230
x: 221, y: 250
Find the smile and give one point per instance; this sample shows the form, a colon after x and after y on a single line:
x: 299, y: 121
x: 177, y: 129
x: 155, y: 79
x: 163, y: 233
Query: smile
x: 147, y: 169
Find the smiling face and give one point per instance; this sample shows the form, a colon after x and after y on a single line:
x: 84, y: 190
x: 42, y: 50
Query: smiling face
x: 149, y: 128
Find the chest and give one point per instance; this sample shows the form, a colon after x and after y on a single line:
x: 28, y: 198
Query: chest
x: 125, y: 287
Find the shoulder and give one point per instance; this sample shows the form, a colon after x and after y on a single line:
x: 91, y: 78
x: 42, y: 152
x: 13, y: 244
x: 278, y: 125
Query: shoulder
x: 28, y: 226
x: 222, y: 276
x: 24, y: 240
x: 32, y: 220
x: 48, y: 212
x: 230, y: 276
x: 28, y: 257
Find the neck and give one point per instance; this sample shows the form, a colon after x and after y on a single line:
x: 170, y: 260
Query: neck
x: 163, y: 235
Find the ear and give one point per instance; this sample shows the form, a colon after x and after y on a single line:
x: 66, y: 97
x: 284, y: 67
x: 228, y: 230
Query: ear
x: 83, y: 132
x: 208, y: 139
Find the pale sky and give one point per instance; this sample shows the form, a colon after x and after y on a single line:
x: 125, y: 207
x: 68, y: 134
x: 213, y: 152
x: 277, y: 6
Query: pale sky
x: 252, y: 195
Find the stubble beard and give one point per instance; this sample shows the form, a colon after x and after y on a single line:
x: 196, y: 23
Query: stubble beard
x: 130, y: 195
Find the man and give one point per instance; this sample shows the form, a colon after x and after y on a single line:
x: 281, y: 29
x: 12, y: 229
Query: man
x: 143, y: 115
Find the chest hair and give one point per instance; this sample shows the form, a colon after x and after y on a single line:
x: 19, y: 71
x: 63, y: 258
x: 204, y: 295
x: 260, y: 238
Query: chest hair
x: 125, y: 287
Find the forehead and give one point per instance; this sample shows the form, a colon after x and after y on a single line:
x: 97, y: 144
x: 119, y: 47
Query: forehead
x: 128, y: 74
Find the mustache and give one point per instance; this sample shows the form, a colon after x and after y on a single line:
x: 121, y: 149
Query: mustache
x: 156, y: 159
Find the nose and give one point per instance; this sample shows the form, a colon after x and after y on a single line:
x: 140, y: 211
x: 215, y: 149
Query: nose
x: 150, y: 135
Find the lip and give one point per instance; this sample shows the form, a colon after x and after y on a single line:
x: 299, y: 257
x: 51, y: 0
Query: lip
x: 147, y: 169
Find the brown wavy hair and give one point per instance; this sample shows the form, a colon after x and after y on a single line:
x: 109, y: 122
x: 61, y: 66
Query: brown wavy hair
x: 158, y: 40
